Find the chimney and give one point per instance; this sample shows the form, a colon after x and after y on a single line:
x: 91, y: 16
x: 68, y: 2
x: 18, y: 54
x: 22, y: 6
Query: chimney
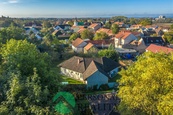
x: 78, y: 61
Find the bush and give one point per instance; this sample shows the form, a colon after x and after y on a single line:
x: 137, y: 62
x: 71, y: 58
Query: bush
x: 104, y: 87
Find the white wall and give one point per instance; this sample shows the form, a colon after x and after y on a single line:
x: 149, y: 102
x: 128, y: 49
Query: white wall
x: 80, y: 48
x: 97, y: 79
x: 72, y: 74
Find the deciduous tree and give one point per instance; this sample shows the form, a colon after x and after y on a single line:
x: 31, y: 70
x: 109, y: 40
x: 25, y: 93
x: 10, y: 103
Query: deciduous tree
x: 87, y: 34
x: 146, y: 87
x: 100, y: 36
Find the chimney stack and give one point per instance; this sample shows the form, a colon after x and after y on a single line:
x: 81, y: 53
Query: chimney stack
x: 78, y: 61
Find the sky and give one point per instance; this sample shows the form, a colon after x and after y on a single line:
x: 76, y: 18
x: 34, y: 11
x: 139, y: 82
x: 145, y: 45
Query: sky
x: 82, y: 8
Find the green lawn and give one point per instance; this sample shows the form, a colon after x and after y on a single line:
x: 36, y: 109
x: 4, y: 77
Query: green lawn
x: 70, y: 80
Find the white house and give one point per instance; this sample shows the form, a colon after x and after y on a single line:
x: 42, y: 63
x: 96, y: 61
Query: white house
x: 92, y: 71
x: 78, y: 45
x: 123, y: 38
x: 95, y: 26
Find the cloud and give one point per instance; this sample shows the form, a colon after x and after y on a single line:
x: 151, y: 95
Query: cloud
x: 13, y: 1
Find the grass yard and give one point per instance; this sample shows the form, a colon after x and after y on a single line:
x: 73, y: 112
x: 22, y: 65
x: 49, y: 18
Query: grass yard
x: 70, y: 80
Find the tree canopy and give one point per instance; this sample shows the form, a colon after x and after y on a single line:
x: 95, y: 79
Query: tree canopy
x: 74, y: 36
x: 87, y: 34
x: 112, y: 54
x: 108, y: 25
x: 27, y: 81
x: 146, y: 87
x: 145, y: 22
x: 100, y: 36
x: 115, y: 28
x: 11, y: 32
x: 171, y: 27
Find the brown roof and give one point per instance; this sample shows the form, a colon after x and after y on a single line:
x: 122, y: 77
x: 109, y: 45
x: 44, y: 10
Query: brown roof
x: 75, y: 63
x: 92, y: 68
x: 103, y: 30
x: 93, y: 25
x: 77, y: 42
x: 122, y: 34
x: 108, y: 31
x: 88, y: 46
x: 88, y: 66
x: 155, y: 48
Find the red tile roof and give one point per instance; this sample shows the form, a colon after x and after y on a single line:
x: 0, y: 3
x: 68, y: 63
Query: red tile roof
x: 93, y: 25
x: 107, y: 31
x: 155, y: 48
x: 122, y: 34
x: 77, y: 42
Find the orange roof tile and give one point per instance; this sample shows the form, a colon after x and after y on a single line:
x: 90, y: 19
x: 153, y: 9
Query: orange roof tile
x: 122, y: 34
x: 103, y: 30
x: 88, y: 46
x: 155, y: 48
x: 77, y: 42
x: 93, y: 25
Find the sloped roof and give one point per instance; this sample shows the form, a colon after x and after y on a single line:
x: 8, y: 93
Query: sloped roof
x: 103, y: 30
x: 88, y: 46
x: 122, y: 35
x: 77, y: 42
x: 92, y: 68
x: 89, y: 65
x: 155, y: 48
x: 75, y: 63
x: 93, y: 25
x: 153, y: 40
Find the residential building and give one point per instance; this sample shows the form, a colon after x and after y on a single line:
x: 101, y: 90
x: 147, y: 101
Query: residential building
x: 92, y: 71
x: 123, y: 38
x: 95, y: 26
x: 78, y: 45
x: 155, y: 48
x: 90, y: 48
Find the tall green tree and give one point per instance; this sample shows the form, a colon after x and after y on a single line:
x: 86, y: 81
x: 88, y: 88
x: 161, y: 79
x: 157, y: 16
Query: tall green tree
x: 100, y: 36
x: 112, y: 54
x: 46, y: 24
x: 145, y: 22
x: 28, y: 82
x: 115, y: 28
x: 74, y: 36
x: 146, y: 86
x: 87, y: 34
x: 11, y: 32
x: 171, y: 27
x: 108, y: 25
